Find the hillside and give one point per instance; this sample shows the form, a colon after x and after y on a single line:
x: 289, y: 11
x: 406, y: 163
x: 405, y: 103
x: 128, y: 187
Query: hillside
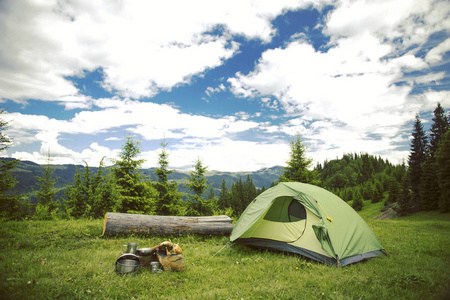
x: 27, y: 172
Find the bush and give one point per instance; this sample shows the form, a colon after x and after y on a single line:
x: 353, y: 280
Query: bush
x: 43, y: 212
x: 357, y: 204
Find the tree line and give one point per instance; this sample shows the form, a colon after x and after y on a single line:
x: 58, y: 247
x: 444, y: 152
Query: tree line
x: 423, y: 183
x: 120, y: 188
x: 427, y: 186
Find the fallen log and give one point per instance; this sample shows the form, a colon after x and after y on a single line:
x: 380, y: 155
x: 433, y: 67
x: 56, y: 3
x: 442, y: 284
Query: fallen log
x: 121, y: 223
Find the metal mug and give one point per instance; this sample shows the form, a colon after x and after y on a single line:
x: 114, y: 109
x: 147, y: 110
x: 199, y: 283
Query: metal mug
x: 132, y: 248
x: 154, y: 267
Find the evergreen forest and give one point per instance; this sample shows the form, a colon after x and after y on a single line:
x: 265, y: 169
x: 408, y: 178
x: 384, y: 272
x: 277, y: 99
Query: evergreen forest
x: 420, y: 183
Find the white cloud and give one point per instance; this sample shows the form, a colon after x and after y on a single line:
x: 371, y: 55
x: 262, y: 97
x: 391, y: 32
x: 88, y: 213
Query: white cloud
x: 409, y: 21
x: 141, y: 46
x: 351, y: 89
x: 343, y: 99
x: 148, y: 121
x: 210, y: 90
x: 429, y: 78
x: 228, y: 155
x: 435, y: 54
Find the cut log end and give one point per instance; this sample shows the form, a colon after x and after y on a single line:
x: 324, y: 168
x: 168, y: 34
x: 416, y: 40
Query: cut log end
x: 104, y: 223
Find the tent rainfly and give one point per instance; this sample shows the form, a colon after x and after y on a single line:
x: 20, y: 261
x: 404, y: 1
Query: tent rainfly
x: 308, y: 220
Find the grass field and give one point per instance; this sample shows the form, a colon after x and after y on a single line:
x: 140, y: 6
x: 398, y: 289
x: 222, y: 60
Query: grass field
x: 70, y: 260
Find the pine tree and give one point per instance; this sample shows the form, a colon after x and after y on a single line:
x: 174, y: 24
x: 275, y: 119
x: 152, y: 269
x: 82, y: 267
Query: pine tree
x: 211, y: 194
x: 443, y: 172
x: 46, y: 206
x: 415, y: 160
x: 350, y: 194
x: 239, y: 196
x: 9, y: 202
x: 357, y: 201
x: 106, y: 197
x: 197, y: 183
x: 366, y: 168
x: 197, y: 180
x: 136, y: 194
x: 404, y: 202
x: 5, y: 141
x: 298, y: 164
x: 394, y: 192
x: 87, y: 196
x: 224, y: 196
x: 169, y: 199
x: 378, y: 192
x: 430, y: 190
x: 367, y: 191
x: 251, y: 191
x: 104, y: 192
x: 75, y: 202
x: 438, y: 128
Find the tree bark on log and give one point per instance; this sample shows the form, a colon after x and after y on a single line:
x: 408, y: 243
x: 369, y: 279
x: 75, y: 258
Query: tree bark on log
x: 121, y: 223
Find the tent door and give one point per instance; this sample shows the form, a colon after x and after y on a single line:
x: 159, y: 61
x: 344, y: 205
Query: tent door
x: 284, y: 221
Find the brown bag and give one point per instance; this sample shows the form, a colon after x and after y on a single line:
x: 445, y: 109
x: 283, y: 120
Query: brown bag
x: 171, y: 262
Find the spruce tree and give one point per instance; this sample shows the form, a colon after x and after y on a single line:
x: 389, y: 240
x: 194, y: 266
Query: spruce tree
x: 106, y: 197
x: 404, y: 202
x: 169, y: 199
x: 377, y: 192
x: 9, y: 202
x: 75, y: 202
x: 251, y: 190
x: 86, y: 196
x: 198, y: 185
x: 443, y: 172
x: 238, y: 196
x: 224, y: 196
x: 97, y: 181
x: 135, y: 193
x: 211, y: 194
x: 430, y: 190
x: 298, y: 164
x: 366, y: 168
x: 46, y: 206
x: 357, y: 201
x: 438, y: 128
x: 415, y: 160
x: 394, y: 192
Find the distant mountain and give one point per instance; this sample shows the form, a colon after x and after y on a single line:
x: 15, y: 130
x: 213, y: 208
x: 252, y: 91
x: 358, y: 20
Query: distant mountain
x: 27, y: 172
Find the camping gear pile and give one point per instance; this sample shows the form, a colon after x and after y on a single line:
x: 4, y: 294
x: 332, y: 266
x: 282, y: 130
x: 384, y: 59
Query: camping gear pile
x: 163, y: 257
x: 307, y: 220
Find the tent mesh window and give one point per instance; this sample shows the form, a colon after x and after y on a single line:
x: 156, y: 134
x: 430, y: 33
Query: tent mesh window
x: 286, y: 209
x: 296, y: 211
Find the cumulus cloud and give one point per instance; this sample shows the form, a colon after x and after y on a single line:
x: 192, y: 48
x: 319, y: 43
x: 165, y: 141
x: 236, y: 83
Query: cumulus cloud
x: 354, y: 93
x: 435, y: 54
x: 146, y: 120
x: 142, y: 47
x: 353, y: 89
x: 229, y: 155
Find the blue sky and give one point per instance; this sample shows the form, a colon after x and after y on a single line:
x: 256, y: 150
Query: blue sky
x: 230, y: 82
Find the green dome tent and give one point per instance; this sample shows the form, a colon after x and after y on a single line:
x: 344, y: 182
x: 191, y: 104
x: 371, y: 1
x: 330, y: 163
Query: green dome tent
x: 308, y: 220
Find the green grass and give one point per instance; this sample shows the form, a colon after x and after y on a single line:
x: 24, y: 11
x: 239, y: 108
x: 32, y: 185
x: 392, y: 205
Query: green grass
x: 70, y: 260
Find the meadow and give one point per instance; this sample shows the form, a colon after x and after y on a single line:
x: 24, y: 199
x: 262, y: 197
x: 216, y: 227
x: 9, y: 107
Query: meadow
x: 71, y: 260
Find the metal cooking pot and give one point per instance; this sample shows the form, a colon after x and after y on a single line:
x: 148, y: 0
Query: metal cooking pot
x: 144, y: 251
x: 127, y: 263
x: 132, y: 247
